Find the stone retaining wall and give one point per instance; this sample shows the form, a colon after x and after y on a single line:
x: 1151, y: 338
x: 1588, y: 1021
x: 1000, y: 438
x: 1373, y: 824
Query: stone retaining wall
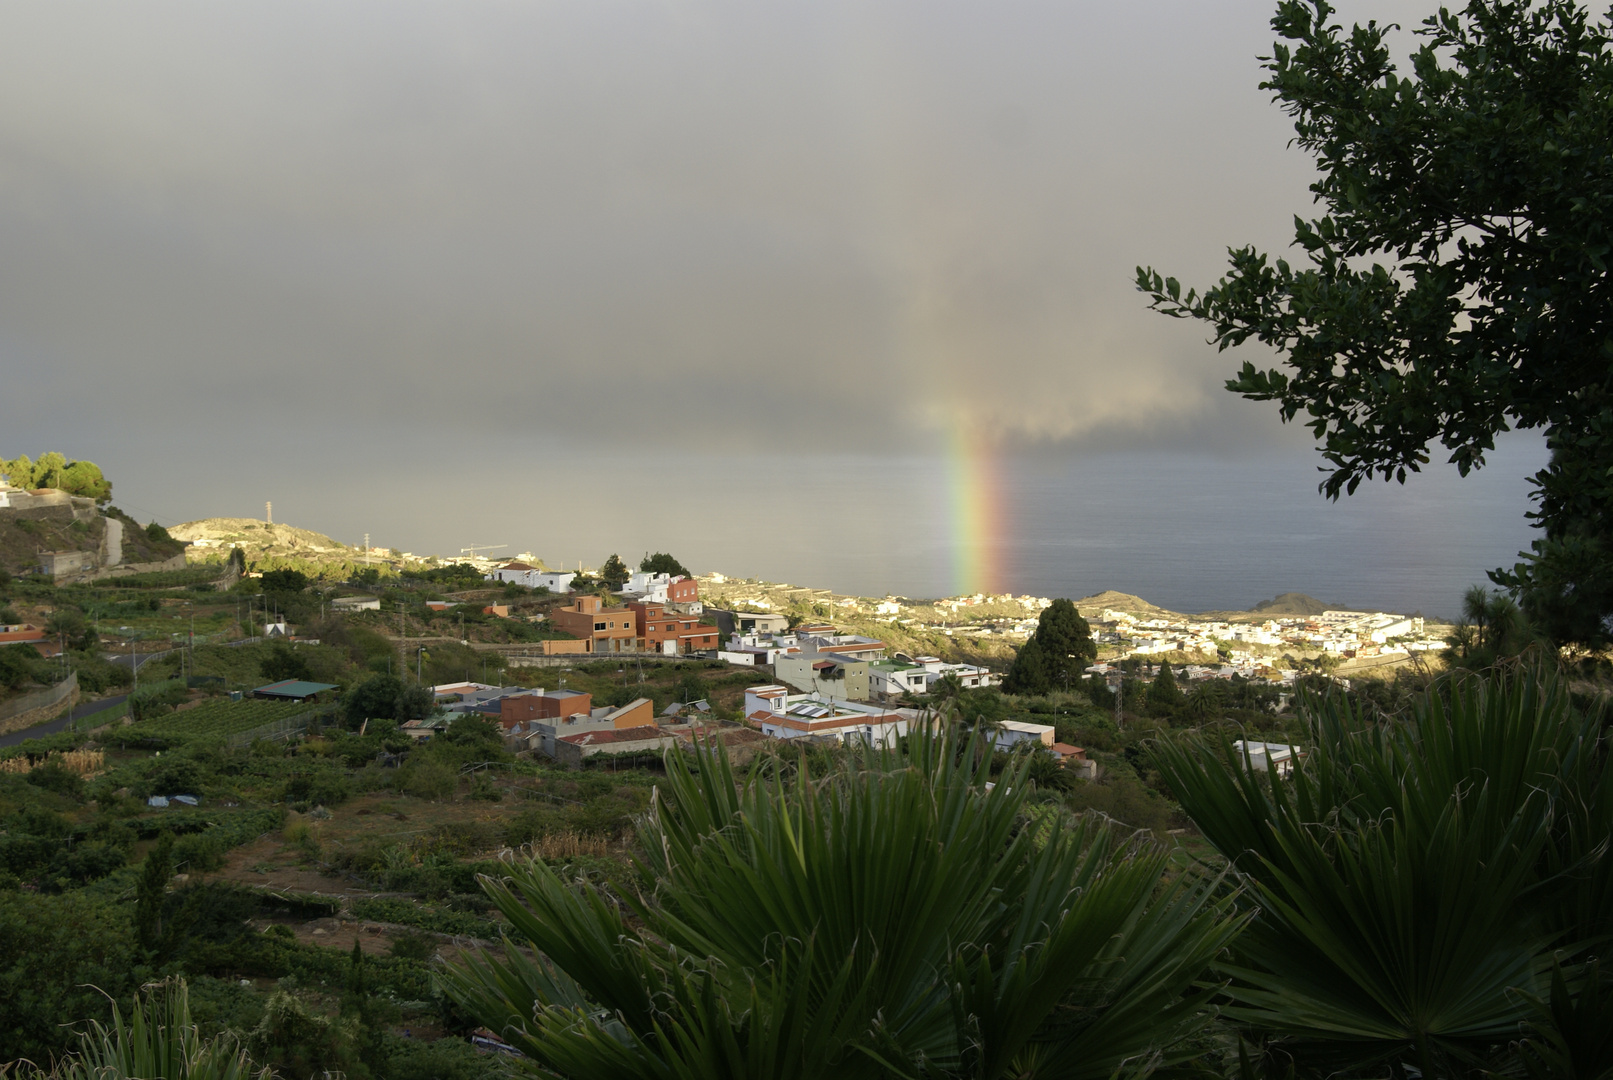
x: 41, y: 705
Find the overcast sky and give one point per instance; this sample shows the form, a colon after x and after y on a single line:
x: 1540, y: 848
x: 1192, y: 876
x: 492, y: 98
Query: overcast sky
x: 361, y: 258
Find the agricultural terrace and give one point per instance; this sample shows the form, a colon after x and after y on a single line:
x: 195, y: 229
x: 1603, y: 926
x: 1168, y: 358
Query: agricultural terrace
x: 218, y: 719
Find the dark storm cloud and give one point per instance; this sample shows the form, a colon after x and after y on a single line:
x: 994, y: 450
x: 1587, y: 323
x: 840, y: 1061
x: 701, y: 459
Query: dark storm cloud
x: 848, y: 224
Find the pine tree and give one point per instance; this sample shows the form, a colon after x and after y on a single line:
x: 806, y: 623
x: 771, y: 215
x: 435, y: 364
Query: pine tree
x: 614, y: 573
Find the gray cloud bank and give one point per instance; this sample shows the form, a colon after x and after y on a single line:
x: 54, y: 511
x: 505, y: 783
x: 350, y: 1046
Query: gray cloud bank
x: 333, y: 254
x: 858, y: 220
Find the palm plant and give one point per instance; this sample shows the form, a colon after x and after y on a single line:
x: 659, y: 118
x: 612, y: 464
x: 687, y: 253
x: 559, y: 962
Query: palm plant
x: 159, y: 1042
x: 893, y: 919
x: 1417, y: 883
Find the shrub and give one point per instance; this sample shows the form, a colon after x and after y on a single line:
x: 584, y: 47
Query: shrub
x: 199, y: 852
x: 412, y: 946
x: 428, y: 780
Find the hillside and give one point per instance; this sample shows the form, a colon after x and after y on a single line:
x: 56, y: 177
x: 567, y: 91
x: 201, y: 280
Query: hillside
x: 21, y: 540
x: 267, y: 545
x: 1109, y: 600
x: 1293, y: 603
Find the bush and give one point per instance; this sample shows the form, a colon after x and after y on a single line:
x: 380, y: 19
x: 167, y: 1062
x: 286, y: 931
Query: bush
x: 154, y: 700
x: 405, y: 913
x: 428, y: 780
x: 54, y: 776
x: 198, y: 853
x: 60, y: 956
x: 1127, y: 800
x: 445, y: 1059
x: 413, y: 946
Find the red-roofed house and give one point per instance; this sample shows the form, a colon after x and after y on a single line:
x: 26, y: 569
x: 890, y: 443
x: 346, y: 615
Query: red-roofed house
x: 572, y: 749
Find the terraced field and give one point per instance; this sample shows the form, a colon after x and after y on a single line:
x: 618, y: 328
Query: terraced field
x: 220, y: 719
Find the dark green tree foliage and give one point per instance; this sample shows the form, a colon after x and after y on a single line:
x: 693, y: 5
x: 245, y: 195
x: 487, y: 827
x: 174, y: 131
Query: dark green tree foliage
x: 662, y: 563
x: 614, y: 573
x: 82, y: 478
x: 1457, y: 282
x: 59, y: 958
x: 287, y: 581
x: 283, y: 662
x: 415, y: 703
x: 21, y: 665
x: 1064, y: 649
x: 1164, y: 695
x: 69, y: 623
x: 298, y: 1043
x: 1028, y: 674
x: 154, y: 700
x: 381, y: 697
x: 149, y: 899
x: 1493, y: 628
x: 690, y: 688
x: 477, y: 735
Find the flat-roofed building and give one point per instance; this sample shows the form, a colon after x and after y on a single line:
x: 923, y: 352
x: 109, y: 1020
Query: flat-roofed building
x: 609, y: 629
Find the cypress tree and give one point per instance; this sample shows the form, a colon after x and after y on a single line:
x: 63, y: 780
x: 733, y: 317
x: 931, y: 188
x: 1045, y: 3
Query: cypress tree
x: 152, y: 890
x: 1164, y: 696
x: 1066, y: 643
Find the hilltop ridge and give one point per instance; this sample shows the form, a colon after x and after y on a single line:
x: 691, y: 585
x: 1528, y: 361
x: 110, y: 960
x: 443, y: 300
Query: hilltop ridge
x: 253, y: 534
x: 1110, y: 600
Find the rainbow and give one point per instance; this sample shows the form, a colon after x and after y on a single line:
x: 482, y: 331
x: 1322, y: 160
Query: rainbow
x: 974, y: 480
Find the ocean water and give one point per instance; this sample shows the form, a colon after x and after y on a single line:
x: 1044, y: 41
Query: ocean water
x: 1190, y: 533
x: 1197, y: 534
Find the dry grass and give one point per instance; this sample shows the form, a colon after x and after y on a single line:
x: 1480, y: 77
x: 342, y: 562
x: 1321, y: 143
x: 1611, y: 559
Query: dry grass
x: 83, y: 762
x: 567, y: 845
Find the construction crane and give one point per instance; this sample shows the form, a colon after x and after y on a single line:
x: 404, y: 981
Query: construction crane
x: 474, y: 548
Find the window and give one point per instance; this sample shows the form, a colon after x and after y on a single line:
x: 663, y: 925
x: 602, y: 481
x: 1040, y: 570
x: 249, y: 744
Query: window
x: 601, y: 626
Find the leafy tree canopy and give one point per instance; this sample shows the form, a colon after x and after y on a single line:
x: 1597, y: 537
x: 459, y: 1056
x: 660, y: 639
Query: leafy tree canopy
x: 283, y: 662
x: 1455, y: 284
x: 662, y: 563
x: 1028, y: 675
x: 374, y: 698
x: 614, y: 573
x: 82, y: 478
x: 292, y: 581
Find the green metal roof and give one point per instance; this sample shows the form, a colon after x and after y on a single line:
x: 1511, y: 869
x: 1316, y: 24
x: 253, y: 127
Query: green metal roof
x: 294, y: 688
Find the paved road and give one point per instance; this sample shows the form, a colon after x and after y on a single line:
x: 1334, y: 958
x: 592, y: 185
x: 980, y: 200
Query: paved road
x: 51, y: 727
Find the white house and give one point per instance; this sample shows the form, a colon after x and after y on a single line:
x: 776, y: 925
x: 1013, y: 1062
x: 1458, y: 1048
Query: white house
x: 783, y: 715
x: 1015, y: 733
x: 889, y: 679
x: 356, y: 603
x: 556, y: 581
x: 1265, y: 756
